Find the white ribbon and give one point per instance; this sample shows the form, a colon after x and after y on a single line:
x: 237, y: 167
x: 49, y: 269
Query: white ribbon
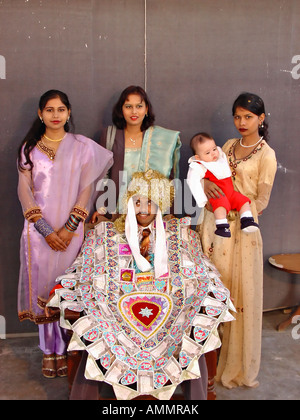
x: 131, y: 232
x: 160, y: 251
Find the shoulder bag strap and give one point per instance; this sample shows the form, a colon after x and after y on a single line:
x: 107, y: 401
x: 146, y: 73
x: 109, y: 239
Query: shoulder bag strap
x: 110, y: 136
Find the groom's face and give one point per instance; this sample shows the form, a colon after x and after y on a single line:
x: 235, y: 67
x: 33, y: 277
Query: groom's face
x: 145, y: 210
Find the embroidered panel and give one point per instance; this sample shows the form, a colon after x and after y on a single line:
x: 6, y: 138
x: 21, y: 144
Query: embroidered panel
x: 143, y: 335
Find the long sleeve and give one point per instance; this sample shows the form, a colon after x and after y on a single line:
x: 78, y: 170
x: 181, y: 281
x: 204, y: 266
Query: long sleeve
x: 25, y: 194
x: 267, y: 173
x: 195, y: 177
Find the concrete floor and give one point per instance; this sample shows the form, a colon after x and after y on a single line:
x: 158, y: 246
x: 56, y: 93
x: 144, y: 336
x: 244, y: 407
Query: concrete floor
x: 21, y: 379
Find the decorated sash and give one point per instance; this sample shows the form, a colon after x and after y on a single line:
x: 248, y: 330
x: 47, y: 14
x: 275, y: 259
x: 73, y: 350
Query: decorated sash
x: 143, y: 335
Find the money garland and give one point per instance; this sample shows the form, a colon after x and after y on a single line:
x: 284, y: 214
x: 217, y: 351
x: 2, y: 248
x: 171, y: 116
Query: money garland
x: 143, y: 335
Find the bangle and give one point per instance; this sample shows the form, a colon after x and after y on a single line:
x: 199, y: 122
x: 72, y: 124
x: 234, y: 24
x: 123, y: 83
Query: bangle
x: 43, y: 228
x: 72, y: 223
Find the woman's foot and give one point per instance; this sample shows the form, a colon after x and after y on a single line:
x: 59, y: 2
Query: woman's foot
x: 49, y: 366
x: 61, y: 365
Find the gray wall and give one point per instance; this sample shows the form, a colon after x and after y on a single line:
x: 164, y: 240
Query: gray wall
x: 192, y: 56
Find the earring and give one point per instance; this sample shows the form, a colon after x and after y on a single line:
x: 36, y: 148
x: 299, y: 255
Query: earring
x: 42, y: 120
x: 261, y: 125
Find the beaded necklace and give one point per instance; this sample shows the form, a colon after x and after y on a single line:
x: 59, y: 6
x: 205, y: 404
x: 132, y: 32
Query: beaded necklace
x: 233, y: 162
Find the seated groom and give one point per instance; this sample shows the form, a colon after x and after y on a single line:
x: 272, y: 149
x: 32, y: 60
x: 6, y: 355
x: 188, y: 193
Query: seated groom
x: 150, y: 301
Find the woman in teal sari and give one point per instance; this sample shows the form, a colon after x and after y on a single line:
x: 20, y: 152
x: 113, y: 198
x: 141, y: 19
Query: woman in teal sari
x: 137, y: 145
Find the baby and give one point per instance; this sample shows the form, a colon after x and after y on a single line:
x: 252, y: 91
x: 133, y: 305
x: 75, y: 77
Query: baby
x: 210, y: 162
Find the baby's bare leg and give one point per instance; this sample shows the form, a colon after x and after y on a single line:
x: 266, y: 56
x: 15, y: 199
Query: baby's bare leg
x: 220, y: 213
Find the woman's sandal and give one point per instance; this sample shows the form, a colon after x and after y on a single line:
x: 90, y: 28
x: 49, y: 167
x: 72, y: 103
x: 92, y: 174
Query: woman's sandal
x: 48, y: 372
x: 62, y: 371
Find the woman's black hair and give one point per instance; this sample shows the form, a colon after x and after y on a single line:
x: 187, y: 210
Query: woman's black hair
x: 38, y: 127
x: 254, y: 104
x: 117, y: 114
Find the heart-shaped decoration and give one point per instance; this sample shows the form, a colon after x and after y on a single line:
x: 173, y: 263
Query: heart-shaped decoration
x: 212, y: 311
x: 68, y: 283
x: 111, y: 253
x: 177, y: 281
x: 110, y: 338
x: 87, y: 270
x: 92, y: 334
x: 105, y: 360
x: 200, y: 334
x: 109, y: 225
x: 144, y: 355
x: 85, y: 288
x: 184, y: 359
x: 220, y: 296
x: 89, y: 304
x: 160, y: 379
x: 127, y: 287
x: 185, y: 221
x: 86, y: 279
x: 99, y: 269
x: 118, y: 351
x: 110, y: 233
x: 110, y: 243
x: 131, y: 361
x: 160, y: 284
x: 99, y: 297
x: 128, y: 378
x: 103, y: 325
x: 69, y: 296
x: 88, y: 296
x: 188, y: 272
x: 89, y: 233
x: 160, y: 362
x: 145, y: 366
x: 99, y: 241
x: 145, y: 312
x: 88, y: 252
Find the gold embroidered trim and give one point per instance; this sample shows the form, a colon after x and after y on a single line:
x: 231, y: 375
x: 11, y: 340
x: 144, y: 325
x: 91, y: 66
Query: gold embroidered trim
x: 32, y: 212
x: 41, y: 302
x: 38, y: 319
x: 29, y: 265
x: 46, y: 150
x: 80, y: 212
x: 149, y: 147
x: 233, y: 162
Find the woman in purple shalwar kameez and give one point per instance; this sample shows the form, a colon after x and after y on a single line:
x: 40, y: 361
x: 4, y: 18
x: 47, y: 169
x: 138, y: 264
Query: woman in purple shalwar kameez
x: 58, y: 172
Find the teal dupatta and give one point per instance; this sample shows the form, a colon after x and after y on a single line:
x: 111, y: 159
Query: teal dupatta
x: 160, y: 151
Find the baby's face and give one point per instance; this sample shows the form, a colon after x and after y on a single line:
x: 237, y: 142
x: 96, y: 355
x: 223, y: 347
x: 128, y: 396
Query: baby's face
x: 207, y: 151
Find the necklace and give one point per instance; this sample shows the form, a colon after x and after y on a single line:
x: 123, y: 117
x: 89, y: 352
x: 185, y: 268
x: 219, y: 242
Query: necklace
x: 133, y: 141
x: 54, y: 140
x: 252, y: 145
